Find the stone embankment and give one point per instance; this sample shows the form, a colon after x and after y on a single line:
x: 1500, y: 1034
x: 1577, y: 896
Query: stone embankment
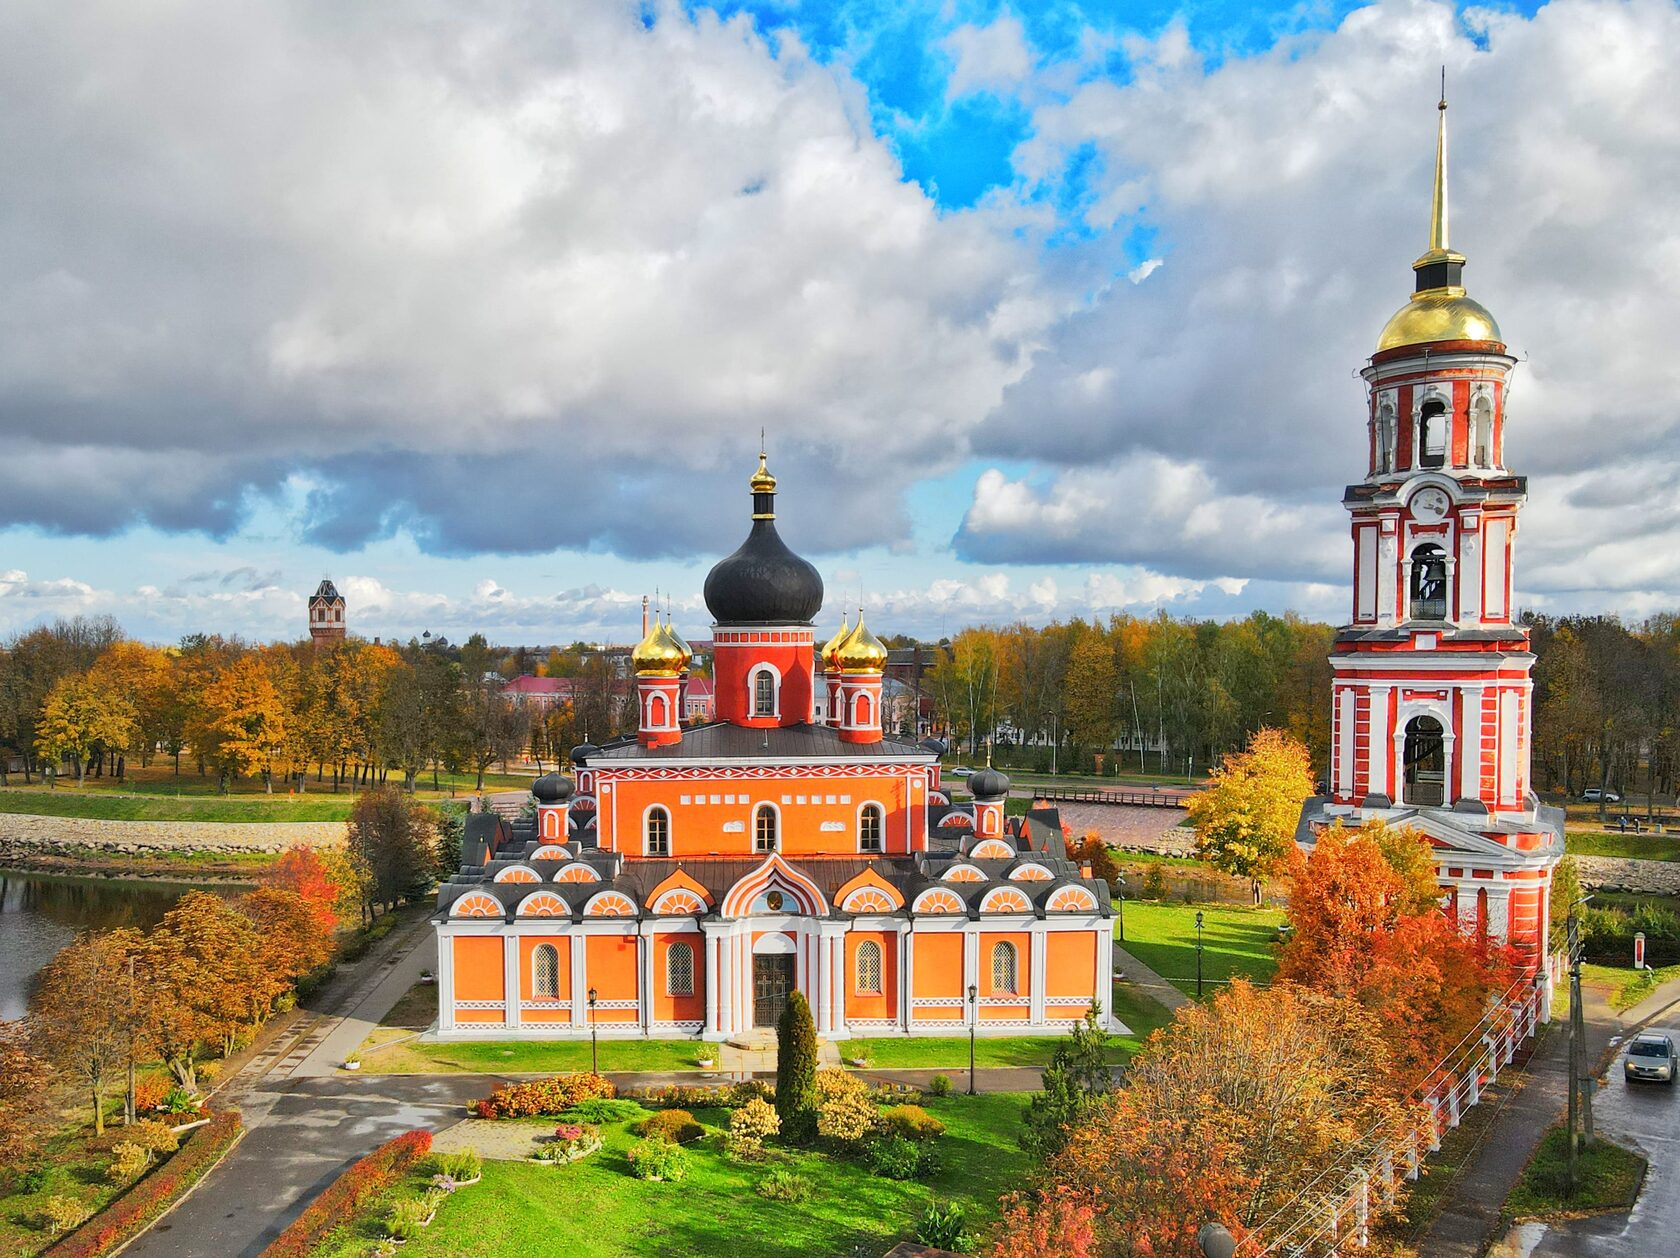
x: 1617, y: 873
x: 23, y: 835
x: 1131, y: 828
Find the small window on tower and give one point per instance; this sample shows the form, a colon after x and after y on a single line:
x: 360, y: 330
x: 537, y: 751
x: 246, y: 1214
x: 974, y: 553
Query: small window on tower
x: 1481, y: 432
x: 764, y: 693
x: 1432, y: 433
x: 764, y: 829
x: 658, y: 832
x: 1385, y: 438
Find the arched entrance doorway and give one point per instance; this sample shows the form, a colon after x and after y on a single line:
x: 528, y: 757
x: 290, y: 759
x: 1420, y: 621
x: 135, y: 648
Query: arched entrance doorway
x: 1426, y: 762
x: 773, y: 977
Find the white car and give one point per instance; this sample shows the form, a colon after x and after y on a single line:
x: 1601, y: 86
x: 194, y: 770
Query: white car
x: 1650, y: 1059
x: 1593, y: 794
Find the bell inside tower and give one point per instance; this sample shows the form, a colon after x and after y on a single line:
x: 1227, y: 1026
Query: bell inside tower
x: 1426, y: 762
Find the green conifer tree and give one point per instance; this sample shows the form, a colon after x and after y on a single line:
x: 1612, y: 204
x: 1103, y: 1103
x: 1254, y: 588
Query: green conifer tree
x: 1077, y: 1076
x: 796, y: 1069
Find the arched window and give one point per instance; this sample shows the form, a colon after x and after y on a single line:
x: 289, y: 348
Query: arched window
x: 657, y: 832
x: 869, y: 968
x: 1005, y: 980
x: 656, y: 712
x: 1481, y: 432
x: 1429, y: 583
x: 764, y: 693
x: 870, y: 829
x: 1385, y: 438
x: 764, y: 829
x: 679, y: 970
x: 1432, y: 433
x: 545, y: 972
x: 1426, y: 762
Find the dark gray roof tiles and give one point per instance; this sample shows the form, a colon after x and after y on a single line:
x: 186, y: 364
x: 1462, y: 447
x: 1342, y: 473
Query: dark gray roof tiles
x: 723, y: 741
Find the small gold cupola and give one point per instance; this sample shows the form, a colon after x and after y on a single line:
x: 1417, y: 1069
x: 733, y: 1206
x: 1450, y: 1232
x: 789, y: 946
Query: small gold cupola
x: 826, y: 659
x: 658, y: 654
x: 860, y: 651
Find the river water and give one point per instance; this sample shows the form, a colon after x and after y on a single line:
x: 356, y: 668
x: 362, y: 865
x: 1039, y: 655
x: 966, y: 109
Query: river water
x: 39, y: 914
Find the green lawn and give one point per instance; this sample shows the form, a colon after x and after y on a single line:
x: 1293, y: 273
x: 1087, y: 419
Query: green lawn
x: 1647, y: 847
x: 938, y: 1052
x: 1610, y: 1178
x: 515, y: 1057
x: 1237, y: 942
x: 596, y: 1209
x: 110, y: 806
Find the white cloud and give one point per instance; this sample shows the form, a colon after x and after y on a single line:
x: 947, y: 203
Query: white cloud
x: 991, y: 58
x: 509, y: 277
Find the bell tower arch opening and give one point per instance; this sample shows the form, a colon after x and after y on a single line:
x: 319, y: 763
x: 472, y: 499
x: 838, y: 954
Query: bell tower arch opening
x: 1425, y: 757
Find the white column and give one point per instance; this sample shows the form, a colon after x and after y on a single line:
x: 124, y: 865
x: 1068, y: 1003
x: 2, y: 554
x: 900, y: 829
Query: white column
x: 1105, y: 969
x: 510, y: 980
x: 907, y: 975
x: 1449, y: 741
x: 580, y: 979
x: 1452, y: 589
x: 1036, y: 970
x: 824, y: 992
x: 1470, y: 763
x: 1399, y: 762
x: 1405, y: 590
x: 971, y: 964
x: 645, y: 995
x: 1467, y: 906
x: 837, y: 974
x: 713, y: 970
x: 446, y: 981
x: 1376, y: 770
x: 1499, y: 914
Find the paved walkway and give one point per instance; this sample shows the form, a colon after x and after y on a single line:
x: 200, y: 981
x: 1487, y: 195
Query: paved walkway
x: 1136, y: 972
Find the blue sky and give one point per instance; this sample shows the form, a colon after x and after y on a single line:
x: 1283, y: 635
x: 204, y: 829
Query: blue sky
x: 1047, y: 309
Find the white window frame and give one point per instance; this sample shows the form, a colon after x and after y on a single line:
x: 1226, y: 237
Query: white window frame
x: 882, y: 835
x: 1012, y: 970
x: 647, y: 836
x: 764, y: 670
x: 858, y: 976
x: 776, y: 820
x: 670, y: 970
x: 537, y: 992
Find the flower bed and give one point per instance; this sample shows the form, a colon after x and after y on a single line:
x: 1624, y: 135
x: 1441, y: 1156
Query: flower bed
x: 555, y: 1095
x: 570, y: 1142
x: 351, y: 1190
x: 139, y: 1207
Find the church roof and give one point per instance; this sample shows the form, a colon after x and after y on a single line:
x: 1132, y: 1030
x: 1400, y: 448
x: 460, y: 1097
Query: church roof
x: 327, y: 592
x: 723, y: 741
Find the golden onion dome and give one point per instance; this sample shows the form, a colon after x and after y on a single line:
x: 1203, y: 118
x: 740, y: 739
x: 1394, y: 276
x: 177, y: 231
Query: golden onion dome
x: 1439, y: 314
x: 861, y: 652
x: 826, y: 658
x: 681, y: 643
x: 657, y: 655
x: 762, y: 482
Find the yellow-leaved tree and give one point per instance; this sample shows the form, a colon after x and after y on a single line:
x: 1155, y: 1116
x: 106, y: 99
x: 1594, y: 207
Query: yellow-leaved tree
x: 82, y: 718
x: 1245, y: 820
x: 245, y: 720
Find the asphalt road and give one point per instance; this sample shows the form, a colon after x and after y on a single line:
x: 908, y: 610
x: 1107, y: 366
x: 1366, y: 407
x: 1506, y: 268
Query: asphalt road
x: 1647, y: 1117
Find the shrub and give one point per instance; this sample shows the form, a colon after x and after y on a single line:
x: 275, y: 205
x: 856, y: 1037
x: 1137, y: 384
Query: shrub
x: 676, y: 1125
x: 179, y: 1101
x: 570, y: 1140
x: 348, y: 1193
x: 658, y: 1159
x: 555, y: 1095
x: 57, y: 1215
x: 939, y: 1085
x: 208, y: 1071
x: 684, y: 1096
x: 460, y: 1165
x: 603, y: 1110
x: 750, y: 1090
x: 749, y: 1127
x: 912, y: 1122
x: 152, y: 1136
x: 894, y: 1157
x: 128, y: 1161
x: 405, y: 1218
x: 945, y: 1227
x: 1155, y: 883
x: 136, y: 1210
x: 783, y: 1185
x: 796, y: 1068
x: 32, y: 1180
x: 848, y: 1117
x: 150, y: 1093
x: 830, y: 1084
x: 894, y: 1094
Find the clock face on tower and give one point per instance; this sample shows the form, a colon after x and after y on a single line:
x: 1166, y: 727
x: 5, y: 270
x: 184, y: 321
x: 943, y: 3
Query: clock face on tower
x: 1430, y: 504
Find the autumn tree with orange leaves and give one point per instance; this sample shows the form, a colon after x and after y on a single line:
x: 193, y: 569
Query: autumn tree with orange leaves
x: 1228, y: 1114
x: 308, y: 874
x: 1368, y: 926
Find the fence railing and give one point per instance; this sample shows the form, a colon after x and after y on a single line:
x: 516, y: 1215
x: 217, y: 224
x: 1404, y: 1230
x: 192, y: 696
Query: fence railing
x: 1140, y: 799
x: 1334, y: 1212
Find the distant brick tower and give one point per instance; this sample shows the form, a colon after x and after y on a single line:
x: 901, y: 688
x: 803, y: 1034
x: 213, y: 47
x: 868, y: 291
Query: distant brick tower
x: 326, y: 613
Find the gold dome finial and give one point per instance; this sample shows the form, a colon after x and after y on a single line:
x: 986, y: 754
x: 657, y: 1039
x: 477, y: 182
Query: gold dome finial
x: 826, y: 659
x: 763, y: 486
x: 677, y: 640
x: 861, y: 651
x: 658, y: 654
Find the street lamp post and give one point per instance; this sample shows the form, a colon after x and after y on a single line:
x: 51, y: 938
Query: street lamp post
x: 1215, y: 1241
x: 973, y: 998
x: 594, y: 1042
x: 1198, y: 954
x: 1120, y: 907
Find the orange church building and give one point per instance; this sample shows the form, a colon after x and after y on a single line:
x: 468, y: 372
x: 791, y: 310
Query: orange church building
x: 691, y: 877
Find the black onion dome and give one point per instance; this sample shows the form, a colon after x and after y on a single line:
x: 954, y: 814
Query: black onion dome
x: 764, y: 583
x: 552, y: 788
x: 582, y: 752
x: 988, y: 783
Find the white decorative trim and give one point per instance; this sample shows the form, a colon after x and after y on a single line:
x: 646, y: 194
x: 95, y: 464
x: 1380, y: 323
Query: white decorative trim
x: 481, y: 1004
x: 612, y: 1004
x: 563, y: 1006
x: 687, y: 1027
x: 938, y: 1002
